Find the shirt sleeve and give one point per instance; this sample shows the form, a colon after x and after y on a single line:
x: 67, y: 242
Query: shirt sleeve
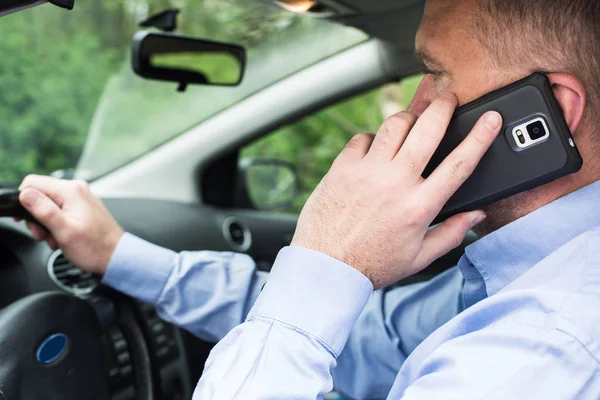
x: 293, y: 335
x: 205, y: 292
x: 210, y: 293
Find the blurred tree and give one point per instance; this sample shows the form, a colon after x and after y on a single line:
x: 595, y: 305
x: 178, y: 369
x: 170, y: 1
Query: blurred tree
x: 312, y: 143
x: 57, y: 64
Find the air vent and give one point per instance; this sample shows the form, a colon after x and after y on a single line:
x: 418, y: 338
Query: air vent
x: 237, y: 234
x: 70, y: 278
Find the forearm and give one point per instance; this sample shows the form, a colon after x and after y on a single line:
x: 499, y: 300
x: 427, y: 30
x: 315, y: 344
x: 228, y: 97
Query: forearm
x: 207, y: 293
x: 210, y: 293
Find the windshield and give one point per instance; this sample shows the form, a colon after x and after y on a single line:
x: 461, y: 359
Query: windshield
x: 69, y: 98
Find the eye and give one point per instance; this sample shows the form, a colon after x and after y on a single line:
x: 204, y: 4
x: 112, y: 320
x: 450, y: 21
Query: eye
x: 428, y: 71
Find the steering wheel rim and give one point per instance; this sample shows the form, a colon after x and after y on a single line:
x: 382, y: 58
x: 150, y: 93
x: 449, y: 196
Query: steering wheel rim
x: 145, y: 372
x: 75, y: 368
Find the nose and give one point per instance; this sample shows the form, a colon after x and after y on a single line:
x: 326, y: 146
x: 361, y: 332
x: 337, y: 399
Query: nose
x: 425, y: 94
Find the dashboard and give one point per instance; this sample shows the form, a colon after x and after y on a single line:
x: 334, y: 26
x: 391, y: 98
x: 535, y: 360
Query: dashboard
x: 30, y: 267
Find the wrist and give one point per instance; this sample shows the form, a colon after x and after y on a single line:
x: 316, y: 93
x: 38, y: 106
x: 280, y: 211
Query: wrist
x: 111, y: 242
x: 139, y: 268
x: 336, y: 252
x: 314, y: 293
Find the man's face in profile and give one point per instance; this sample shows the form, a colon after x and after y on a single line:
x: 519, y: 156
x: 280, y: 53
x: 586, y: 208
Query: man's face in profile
x: 457, y: 62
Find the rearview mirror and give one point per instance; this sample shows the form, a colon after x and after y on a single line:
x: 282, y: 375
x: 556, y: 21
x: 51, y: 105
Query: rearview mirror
x: 187, y: 60
x: 11, y: 6
x: 267, y: 184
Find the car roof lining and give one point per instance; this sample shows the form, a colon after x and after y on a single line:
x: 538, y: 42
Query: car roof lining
x: 393, y: 21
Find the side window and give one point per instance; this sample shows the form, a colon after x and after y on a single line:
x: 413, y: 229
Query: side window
x: 312, y: 143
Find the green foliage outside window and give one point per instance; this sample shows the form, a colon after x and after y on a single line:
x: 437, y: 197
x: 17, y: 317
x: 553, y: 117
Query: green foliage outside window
x: 66, y: 74
x: 66, y: 80
x: 313, y: 143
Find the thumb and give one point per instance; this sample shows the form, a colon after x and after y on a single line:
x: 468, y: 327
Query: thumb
x: 46, y: 211
x: 447, y: 236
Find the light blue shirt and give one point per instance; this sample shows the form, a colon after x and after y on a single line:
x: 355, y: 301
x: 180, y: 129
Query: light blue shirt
x: 518, y: 318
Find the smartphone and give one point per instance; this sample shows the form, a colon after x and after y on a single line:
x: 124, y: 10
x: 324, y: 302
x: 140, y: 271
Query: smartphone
x: 534, y: 146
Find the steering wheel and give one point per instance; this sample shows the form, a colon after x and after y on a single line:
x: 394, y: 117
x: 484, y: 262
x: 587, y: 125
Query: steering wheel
x: 51, y: 347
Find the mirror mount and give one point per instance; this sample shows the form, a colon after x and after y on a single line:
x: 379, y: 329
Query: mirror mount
x: 165, y: 20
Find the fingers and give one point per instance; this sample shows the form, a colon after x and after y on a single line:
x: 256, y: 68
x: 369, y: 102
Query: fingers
x: 39, y: 233
x: 426, y: 135
x: 447, y: 236
x: 425, y: 94
x: 43, y: 208
x: 460, y: 164
x: 52, y: 187
x: 391, y: 135
x: 52, y: 242
x: 356, y: 148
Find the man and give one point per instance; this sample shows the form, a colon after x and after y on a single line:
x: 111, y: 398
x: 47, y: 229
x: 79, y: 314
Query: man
x: 518, y: 318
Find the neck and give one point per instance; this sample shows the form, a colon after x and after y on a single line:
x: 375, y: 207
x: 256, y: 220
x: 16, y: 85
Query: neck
x: 505, y: 211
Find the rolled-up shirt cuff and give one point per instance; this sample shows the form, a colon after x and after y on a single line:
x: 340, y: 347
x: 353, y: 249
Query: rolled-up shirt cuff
x: 314, y: 293
x: 139, y: 268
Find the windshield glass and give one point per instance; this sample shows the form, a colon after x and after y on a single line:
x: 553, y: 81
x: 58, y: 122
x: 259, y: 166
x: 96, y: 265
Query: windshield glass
x: 70, y: 99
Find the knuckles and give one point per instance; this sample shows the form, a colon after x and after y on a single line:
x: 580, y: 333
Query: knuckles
x: 460, y: 168
x: 359, y: 140
x: 400, y: 122
x: 80, y: 186
x: 28, y: 180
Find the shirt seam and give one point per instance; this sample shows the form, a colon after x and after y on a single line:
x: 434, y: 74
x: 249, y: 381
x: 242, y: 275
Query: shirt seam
x: 562, y: 331
x: 295, y: 328
x: 580, y: 343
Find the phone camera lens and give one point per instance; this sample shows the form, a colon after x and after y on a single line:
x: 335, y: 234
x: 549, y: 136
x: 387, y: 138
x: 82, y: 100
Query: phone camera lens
x: 536, y: 130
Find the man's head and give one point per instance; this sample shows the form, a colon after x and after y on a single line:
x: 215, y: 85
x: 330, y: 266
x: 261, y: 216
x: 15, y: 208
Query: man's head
x: 472, y: 47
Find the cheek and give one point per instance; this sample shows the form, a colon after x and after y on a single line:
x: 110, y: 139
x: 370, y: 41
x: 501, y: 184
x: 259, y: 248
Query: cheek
x: 465, y: 88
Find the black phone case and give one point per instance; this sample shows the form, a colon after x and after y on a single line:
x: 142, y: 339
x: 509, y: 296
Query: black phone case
x: 505, y: 169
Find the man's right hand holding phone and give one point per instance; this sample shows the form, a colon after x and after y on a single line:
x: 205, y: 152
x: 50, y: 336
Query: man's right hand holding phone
x: 372, y: 210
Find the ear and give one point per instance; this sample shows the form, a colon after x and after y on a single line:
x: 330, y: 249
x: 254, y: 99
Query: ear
x: 572, y: 97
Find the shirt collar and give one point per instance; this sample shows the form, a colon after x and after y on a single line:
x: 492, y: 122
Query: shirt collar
x: 509, y: 252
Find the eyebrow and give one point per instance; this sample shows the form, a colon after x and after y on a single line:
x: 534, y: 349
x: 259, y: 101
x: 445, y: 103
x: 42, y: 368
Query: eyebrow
x: 426, y: 58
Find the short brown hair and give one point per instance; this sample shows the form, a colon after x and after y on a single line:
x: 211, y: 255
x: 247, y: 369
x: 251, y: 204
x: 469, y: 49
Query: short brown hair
x: 546, y: 36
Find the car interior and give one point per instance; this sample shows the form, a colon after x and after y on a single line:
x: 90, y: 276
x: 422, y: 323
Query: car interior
x: 190, y: 190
